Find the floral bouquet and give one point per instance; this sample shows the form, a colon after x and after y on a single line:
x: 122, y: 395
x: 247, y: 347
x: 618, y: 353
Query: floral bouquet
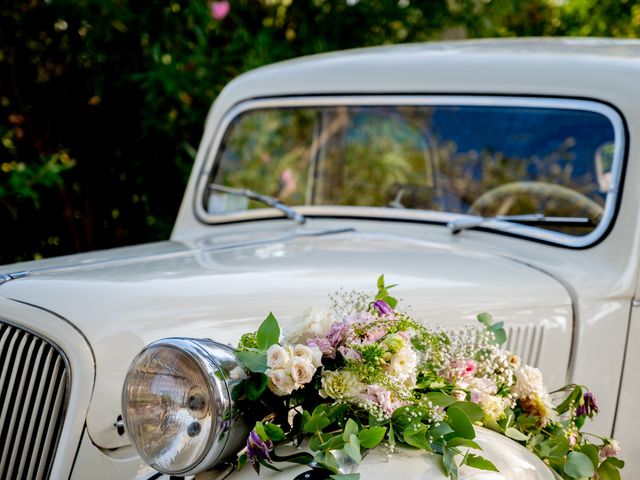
x: 365, y: 373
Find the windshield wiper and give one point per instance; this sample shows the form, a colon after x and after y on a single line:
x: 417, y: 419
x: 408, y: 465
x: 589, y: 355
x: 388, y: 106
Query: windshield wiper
x: 259, y: 197
x: 457, y: 226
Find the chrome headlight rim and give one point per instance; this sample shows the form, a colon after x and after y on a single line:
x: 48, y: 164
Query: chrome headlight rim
x: 210, y: 358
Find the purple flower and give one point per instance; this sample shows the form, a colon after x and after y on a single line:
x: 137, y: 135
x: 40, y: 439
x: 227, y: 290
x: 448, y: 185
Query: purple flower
x: 589, y: 406
x: 258, y: 448
x: 324, y: 345
x: 382, y: 307
x: 350, y: 354
x: 336, y: 334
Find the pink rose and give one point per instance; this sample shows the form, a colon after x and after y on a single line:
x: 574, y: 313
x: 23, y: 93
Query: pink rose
x: 220, y: 9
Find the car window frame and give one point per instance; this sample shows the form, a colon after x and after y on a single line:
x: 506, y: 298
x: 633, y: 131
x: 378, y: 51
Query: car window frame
x: 612, y: 199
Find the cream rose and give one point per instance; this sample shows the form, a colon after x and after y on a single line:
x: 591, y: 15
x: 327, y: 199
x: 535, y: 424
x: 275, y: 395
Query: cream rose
x: 280, y: 381
x: 277, y: 357
x: 301, y: 371
x: 312, y: 355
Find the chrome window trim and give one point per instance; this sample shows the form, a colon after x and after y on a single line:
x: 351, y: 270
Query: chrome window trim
x: 524, y: 231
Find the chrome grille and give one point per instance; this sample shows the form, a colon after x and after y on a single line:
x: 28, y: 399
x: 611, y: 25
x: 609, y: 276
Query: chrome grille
x: 33, y: 396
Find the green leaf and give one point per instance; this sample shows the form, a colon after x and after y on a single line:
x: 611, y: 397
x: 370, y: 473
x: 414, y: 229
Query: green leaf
x: 352, y: 448
x: 485, y: 318
x: 417, y: 438
x: 459, y: 421
x: 472, y: 410
x: 350, y: 428
x: 256, y: 385
x: 607, y: 471
x: 316, y: 422
x: 554, y: 447
x: 254, y: 361
x: 449, y: 463
x: 516, y: 434
x: 476, y: 461
x: 328, y: 461
x: 439, y: 431
x: 570, y: 399
x: 274, y: 432
x: 578, y: 466
x: 592, y: 452
x: 268, y: 333
x: 370, y: 437
x: 463, y: 442
x: 381, y: 282
x: 301, y: 458
x: 345, y: 476
x: 440, y: 399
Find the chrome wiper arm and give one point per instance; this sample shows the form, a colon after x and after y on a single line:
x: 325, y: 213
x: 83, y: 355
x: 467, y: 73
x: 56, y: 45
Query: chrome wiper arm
x: 457, y: 226
x: 259, y: 197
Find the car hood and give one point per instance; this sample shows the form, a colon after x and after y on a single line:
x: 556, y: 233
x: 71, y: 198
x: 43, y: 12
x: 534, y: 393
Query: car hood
x: 220, y: 288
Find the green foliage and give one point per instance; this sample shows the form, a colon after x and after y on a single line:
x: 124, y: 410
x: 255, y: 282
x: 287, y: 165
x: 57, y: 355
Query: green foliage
x: 102, y: 103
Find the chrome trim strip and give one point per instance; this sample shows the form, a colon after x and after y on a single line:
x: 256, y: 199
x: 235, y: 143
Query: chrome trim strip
x: 635, y: 302
x: 213, y: 144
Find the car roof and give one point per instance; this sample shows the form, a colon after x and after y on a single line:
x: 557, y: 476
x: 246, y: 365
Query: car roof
x: 576, y: 67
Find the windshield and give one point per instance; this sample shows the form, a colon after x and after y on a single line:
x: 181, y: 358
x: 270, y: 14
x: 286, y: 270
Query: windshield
x: 471, y: 159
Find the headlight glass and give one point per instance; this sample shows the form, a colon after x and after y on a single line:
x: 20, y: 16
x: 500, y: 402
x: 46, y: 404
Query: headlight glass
x: 175, y: 398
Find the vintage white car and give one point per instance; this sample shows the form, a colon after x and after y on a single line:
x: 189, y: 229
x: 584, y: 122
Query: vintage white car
x: 496, y: 176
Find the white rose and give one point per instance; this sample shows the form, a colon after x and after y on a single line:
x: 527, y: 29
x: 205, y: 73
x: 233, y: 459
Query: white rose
x: 277, y: 357
x: 280, y: 382
x: 403, y: 364
x: 310, y: 354
x: 315, y: 322
x: 301, y: 371
x: 529, y: 382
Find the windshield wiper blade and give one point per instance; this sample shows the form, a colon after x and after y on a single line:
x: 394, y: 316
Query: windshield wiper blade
x: 259, y: 197
x: 457, y: 226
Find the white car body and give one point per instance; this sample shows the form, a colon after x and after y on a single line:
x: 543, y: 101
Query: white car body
x: 569, y: 309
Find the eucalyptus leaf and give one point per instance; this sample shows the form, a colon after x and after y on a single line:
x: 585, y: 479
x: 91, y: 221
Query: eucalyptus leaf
x: 463, y: 442
x: 346, y: 476
x: 352, y: 448
x: 254, y: 361
x: 578, y: 466
x: 370, y: 437
x: 610, y: 469
x: 449, y: 463
x: 350, y: 428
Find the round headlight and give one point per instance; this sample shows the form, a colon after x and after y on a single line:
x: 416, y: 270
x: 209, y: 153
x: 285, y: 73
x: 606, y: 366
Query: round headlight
x: 178, y: 408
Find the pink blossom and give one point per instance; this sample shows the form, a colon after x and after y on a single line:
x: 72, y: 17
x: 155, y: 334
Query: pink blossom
x: 375, y: 334
x: 476, y: 395
x: 470, y: 368
x: 382, y: 397
x: 612, y: 449
x: 220, y: 9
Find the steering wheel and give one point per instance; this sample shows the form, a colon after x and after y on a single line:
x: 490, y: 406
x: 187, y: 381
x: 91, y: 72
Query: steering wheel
x: 504, y: 194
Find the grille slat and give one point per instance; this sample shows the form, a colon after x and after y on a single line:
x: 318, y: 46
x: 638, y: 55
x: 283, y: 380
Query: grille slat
x: 33, y: 396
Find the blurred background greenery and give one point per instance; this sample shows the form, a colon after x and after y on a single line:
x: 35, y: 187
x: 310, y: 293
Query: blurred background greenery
x: 102, y: 102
